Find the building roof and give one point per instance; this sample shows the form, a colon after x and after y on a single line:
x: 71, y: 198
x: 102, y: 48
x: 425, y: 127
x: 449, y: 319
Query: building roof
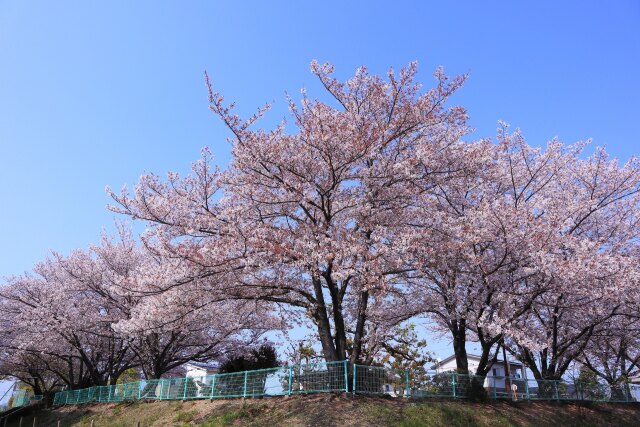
x: 202, y: 365
x: 470, y: 356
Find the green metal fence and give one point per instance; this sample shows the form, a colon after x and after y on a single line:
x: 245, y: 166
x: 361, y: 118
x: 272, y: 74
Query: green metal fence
x: 286, y: 380
x: 405, y: 383
x: 345, y: 377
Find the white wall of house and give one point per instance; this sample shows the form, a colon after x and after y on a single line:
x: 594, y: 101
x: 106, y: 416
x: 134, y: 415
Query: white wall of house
x: 200, y: 374
x: 497, y: 370
x: 450, y: 365
x: 195, y: 371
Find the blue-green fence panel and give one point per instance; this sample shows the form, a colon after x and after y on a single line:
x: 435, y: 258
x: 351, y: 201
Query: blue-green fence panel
x: 432, y: 384
x: 378, y: 381
x: 343, y: 377
x: 268, y: 382
x: 319, y: 378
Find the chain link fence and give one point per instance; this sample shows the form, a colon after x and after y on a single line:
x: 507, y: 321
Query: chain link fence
x: 286, y: 380
x: 423, y: 384
x: 346, y: 377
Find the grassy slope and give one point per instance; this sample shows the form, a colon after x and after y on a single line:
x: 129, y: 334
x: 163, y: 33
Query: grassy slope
x: 330, y: 410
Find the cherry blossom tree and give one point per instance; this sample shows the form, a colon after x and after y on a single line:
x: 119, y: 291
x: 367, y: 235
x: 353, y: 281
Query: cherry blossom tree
x: 475, y: 266
x: 164, y: 331
x: 514, y: 257
x: 312, y: 220
x: 589, y: 268
x: 613, y: 354
x: 26, y: 363
x: 58, y: 316
x: 169, y: 330
x: 90, y: 316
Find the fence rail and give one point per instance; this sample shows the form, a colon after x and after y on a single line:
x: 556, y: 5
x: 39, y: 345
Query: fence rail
x: 346, y: 377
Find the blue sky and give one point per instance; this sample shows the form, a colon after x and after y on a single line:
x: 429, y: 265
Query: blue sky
x: 97, y: 93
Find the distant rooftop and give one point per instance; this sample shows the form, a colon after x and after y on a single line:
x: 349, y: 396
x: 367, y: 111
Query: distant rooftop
x: 470, y: 356
x: 203, y: 365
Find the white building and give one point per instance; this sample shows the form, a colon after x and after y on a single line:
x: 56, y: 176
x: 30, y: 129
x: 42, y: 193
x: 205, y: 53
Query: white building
x: 197, y: 369
x: 495, y: 377
x: 201, y: 375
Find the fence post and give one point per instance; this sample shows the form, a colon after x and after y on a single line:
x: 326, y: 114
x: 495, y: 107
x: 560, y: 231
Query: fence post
x: 453, y: 384
x: 290, y: 379
x: 355, y: 367
x: 346, y: 376
x: 213, y: 386
x: 626, y: 389
x: 555, y: 385
x: 407, y: 381
x: 495, y: 393
x: 579, y: 391
x: 244, y: 389
x: 184, y: 394
x: 526, y: 387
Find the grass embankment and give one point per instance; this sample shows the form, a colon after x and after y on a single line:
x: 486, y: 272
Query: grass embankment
x: 332, y: 410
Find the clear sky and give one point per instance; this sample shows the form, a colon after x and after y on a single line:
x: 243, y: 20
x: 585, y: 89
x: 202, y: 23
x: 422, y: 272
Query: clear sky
x: 97, y: 93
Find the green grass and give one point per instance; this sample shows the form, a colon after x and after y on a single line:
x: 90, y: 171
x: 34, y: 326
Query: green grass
x: 436, y: 414
x: 228, y: 418
x: 186, y: 416
x: 338, y: 410
x: 443, y: 414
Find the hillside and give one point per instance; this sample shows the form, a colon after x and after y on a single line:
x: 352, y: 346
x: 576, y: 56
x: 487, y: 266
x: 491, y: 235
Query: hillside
x: 321, y: 410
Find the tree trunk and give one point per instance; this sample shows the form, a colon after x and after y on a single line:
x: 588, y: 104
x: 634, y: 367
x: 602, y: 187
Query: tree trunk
x: 487, y: 359
x: 459, y: 333
x: 321, y: 319
x: 359, y: 334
